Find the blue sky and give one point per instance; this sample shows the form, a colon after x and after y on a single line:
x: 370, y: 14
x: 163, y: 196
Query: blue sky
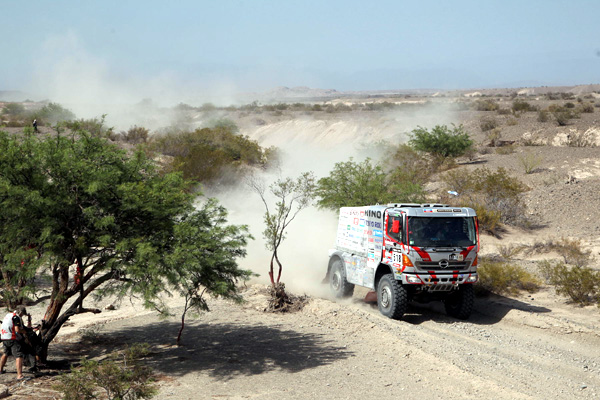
x: 257, y: 45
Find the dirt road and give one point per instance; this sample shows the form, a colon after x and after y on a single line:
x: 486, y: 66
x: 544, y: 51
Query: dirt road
x: 509, y: 349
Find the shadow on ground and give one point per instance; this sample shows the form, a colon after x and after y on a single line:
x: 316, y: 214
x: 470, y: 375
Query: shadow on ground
x: 229, y: 350
x: 487, y: 310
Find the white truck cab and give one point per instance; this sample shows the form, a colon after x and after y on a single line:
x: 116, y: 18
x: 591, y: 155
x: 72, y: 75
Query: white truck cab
x: 420, y: 252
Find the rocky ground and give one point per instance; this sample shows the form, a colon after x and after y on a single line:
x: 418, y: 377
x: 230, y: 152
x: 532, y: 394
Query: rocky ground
x: 530, y: 346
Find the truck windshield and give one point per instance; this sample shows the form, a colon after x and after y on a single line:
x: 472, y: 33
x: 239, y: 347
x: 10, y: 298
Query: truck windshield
x: 441, y: 231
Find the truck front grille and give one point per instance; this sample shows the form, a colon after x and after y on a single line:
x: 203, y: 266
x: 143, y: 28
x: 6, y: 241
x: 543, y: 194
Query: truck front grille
x: 435, y: 265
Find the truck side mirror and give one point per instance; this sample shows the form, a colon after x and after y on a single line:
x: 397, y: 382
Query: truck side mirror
x: 396, y: 226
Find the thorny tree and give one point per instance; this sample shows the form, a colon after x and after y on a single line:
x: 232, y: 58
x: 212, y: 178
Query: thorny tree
x: 98, y: 220
x: 291, y: 197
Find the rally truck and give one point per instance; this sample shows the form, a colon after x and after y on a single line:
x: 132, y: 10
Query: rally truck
x: 407, y: 252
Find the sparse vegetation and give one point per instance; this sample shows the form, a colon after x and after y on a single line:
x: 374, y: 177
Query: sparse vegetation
x: 488, y: 124
x: 442, y: 141
x: 495, y: 195
x: 529, y: 161
x: 352, y: 184
x: 207, y: 155
x: 120, y: 377
x: 504, y: 277
x: 579, y: 283
x: 522, y: 106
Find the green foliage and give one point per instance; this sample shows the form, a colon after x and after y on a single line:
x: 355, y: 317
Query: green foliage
x: 503, y: 277
x: 83, y: 201
x: 202, y: 155
x: 93, y: 126
x: 205, y: 259
x: 291, y: 197
x: 495, y: 195
x: 441, y: 141
x: 352, y: 184
x: 580, y: 284
x: 121, y: 377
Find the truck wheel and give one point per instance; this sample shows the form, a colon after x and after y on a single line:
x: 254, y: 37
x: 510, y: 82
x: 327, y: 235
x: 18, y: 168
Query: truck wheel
x: 337, y: 281
x: 392, y: 298
x: 459, y: 303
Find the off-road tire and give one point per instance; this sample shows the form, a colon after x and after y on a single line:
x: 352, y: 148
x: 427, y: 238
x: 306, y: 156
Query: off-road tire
x: 337, y: 281
x: 459, y: 303
x: 392, y: 299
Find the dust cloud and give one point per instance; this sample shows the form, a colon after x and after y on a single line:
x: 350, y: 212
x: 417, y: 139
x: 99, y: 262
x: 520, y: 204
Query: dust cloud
x: 304, y: 252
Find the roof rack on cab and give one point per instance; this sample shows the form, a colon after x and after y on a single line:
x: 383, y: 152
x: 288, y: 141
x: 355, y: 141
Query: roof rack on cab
x: 434, y: 205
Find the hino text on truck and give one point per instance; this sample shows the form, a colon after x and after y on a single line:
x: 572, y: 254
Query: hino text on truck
x: 420, y: 252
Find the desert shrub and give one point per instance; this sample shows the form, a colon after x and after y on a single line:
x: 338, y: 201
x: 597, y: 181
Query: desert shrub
x: 504, y: 111
x: 485, y: 105
x: 204, y: 153
x: 317, y: 107
x: 494, y: 136
x: 441, y: 141
x: 51, y: 114
x: 570, y: 249
x: 495, y: 195
x: 409, y: 165
x: 502, y: 277
x: 509, y: 251
x: 95, y: 126
x: 543, y: 116
x: 504, y: 150
x: 512, y: 122
x: 13, y: 109
x: 569, y: 105
x: 580, y: 284
x: 136, y: 135
x: 586, y: 108
x: 352, y: 184
x: 522, y: 106
x: 487, y: 124
x: 121, y: 376
x: 580, y: 139
x: 529, y: 161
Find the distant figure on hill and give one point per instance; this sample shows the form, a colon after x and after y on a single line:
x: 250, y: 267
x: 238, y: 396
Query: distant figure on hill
x: 35, y: 129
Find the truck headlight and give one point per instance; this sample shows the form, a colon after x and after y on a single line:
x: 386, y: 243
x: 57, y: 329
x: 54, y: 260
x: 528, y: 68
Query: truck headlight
x: 472, y: 279
x: 413, y: 279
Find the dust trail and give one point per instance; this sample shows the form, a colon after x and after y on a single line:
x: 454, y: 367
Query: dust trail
x: 304, y: 252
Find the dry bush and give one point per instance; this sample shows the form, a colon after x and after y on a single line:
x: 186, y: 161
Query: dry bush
x: 543, y: 116
x: 522, y: 106
x: 485, y: 105
x: 502, y: 277
x: 580, y: 284
x: 529, y: 161
x: 580, y: 139
x: 509, y: 251
x: 495, y: 196
x: 570, y: 249
x: 487, y: 124
x: 504, y: 150
x: 586, y: 108
x: 504, y: 111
